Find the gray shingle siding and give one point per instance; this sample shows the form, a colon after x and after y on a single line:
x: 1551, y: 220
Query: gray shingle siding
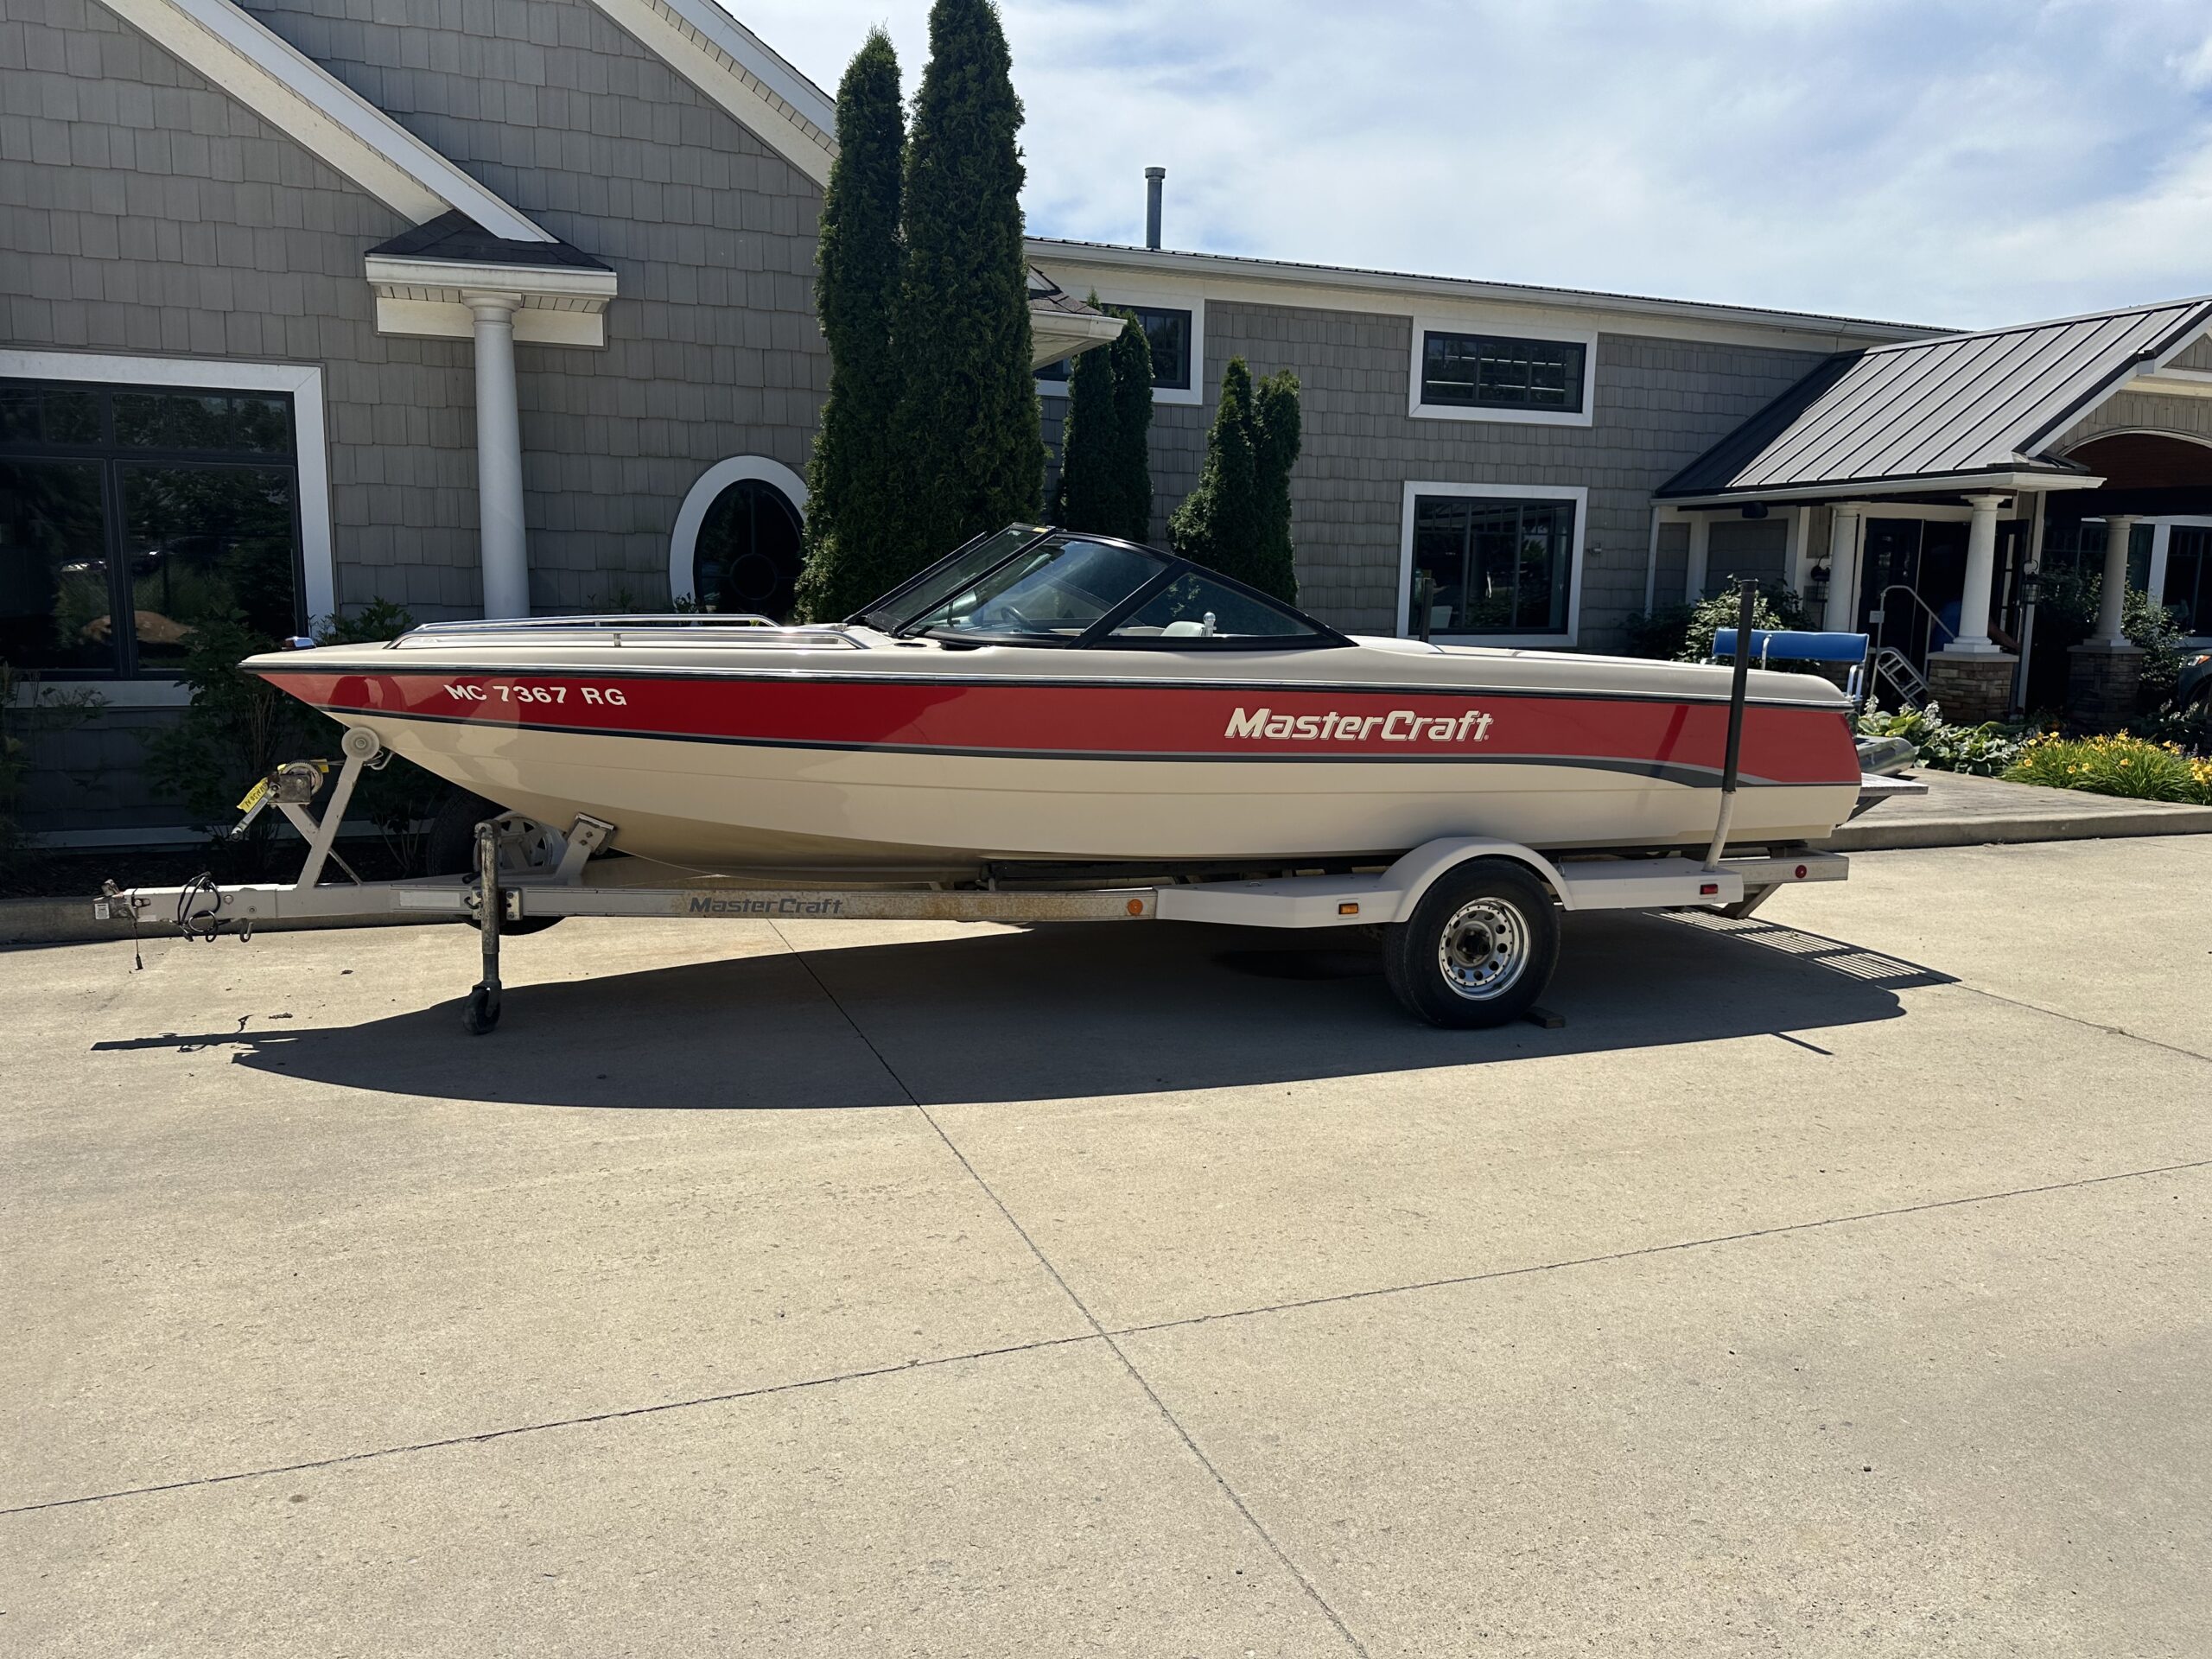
x: 1659, y: 403
x: 147, y: 212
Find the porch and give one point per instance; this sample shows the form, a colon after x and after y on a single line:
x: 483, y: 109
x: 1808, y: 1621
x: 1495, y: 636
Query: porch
x: 1938, y: 495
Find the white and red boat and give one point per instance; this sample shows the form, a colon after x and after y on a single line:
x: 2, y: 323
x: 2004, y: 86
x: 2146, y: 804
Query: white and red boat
x: 1049, y: 696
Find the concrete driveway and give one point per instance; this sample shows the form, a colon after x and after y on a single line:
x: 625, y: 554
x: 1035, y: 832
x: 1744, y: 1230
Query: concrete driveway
x: 1832, y: 1283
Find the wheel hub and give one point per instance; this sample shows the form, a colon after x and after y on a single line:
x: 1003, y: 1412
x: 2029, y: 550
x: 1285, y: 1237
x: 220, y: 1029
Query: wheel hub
x: 1483, y: 950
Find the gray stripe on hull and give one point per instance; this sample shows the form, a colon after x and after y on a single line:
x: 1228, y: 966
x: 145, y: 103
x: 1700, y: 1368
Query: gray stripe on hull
x: 1665, y: 771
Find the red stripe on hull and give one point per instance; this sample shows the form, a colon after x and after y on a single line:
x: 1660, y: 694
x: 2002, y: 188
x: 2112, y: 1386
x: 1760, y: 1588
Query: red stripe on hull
x: 1781, y: 745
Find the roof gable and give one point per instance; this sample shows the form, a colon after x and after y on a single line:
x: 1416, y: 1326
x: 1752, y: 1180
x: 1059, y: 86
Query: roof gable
x: 735, y: 68
x: 292, y: 93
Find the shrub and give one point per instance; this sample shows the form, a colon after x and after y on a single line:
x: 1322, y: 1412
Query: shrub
x: 238, y: 728
x: 967, y: 428
x: 2066, y: 611
x: 853, y: 495
x: 2129, y: 766
x: 1983, y: 751
x: 1684, y: 634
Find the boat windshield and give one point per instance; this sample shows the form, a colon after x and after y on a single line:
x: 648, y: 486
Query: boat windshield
x: 1062, y: 587
x: 1056, y: 591
x: 957, y: 570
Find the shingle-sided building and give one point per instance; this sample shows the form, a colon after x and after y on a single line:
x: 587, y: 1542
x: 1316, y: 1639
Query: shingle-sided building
x: 489, y: 306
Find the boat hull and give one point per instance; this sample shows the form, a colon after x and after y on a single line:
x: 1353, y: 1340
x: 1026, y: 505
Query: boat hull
x: 719, y: 771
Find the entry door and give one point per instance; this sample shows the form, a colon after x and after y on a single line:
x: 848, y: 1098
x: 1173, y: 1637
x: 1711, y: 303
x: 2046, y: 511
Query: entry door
x: 1889, y: 578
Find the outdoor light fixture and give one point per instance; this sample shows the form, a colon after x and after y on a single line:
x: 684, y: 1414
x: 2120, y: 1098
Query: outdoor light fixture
x: 1816, y: 585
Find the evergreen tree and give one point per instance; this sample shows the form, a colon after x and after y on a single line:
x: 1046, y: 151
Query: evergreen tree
x: 1087, y: 498
x: 1218, y: 523
x: 1275, y: 438
x: 1130, y: 468
x: 967, y: 425
x: 854, y: 495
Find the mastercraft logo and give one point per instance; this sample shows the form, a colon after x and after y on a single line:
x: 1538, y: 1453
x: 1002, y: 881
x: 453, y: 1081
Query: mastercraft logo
x: 1399, y: 726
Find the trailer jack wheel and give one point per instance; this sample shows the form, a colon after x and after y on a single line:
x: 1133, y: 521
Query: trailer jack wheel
x: 483, y: 1012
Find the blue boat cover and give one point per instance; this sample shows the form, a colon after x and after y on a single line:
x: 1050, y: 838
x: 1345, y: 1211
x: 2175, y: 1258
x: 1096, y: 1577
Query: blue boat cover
x: 1791, y: 645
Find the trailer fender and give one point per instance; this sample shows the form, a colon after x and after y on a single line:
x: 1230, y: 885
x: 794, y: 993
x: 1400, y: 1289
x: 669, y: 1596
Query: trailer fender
x: 1412, y: 876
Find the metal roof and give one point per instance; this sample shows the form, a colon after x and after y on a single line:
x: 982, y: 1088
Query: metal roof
x: 1939, y: 408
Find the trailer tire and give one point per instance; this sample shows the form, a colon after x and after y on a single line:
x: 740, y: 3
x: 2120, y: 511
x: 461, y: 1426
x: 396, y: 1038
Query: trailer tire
x: 1478, y: 949
x: 450, y: 847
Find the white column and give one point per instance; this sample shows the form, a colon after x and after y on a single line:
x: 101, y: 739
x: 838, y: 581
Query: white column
x: 1843, y: 566
x: 2161, y: 536
x: 501, y: 546
x: 1701, y: 550
x: 2119, y: 530
x: 1981, y: 576
x: 1800, y: 557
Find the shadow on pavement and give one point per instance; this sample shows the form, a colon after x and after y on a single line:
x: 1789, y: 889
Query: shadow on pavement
x: 1057, y: 1012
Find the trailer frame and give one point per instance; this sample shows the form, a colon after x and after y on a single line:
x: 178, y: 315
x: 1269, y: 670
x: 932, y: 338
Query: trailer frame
x: 503, y: 892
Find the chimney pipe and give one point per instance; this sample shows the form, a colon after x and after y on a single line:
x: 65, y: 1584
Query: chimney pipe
x: 1152, y: 175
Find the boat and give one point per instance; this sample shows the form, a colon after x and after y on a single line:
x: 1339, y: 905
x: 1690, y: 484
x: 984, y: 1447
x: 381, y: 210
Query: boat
x: 1046, y: 699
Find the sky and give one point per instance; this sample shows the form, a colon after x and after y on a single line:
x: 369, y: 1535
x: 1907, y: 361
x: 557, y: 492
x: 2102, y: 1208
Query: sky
x: 1963, y: 162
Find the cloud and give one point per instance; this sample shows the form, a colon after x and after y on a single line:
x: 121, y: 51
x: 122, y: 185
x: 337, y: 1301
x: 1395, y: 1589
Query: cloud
x: 1967, y: 161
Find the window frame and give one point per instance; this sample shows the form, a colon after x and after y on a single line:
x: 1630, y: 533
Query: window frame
x: 314, y: 569
x: 1577, y: 495
x: 1151, y: 299
x: 1494, y: 328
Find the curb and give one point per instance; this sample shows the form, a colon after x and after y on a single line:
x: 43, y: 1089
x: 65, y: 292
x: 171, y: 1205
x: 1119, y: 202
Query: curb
x: 1870, y: 835
x: 71, y: 921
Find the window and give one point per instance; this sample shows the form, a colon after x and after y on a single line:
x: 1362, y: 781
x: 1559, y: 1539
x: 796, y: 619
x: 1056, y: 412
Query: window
x: 1492, y: 371
x: 1168, y: 332
x: 746, y: 559
x: 2078, y: 546
x: 1499, y: 565
x: 130, y: 516
x: 2187, y: 592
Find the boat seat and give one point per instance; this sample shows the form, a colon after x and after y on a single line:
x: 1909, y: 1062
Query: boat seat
x: 1792, y: 645
x: 1185, y: 630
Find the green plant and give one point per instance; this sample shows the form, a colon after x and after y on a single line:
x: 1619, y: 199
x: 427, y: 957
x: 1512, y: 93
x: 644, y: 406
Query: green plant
x: 1983, y: 751
x: 1130, y: 468
x: 2187, y: 730
x: 1775, y: 606
x: 853, y: 492
x: 1088, y: 496
x: 970, y: 447
x: 2129, y: 766
x: 1277, y: 435
x: 1216, y: 525
x: 238, y: 727
x: 2066, y: 612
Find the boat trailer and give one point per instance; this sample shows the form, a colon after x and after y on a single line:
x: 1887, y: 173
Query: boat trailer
x: 1492, y: 948
x: 1468, y: 923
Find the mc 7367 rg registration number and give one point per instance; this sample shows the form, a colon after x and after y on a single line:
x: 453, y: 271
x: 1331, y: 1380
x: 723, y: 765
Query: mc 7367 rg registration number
x: 501, y: 692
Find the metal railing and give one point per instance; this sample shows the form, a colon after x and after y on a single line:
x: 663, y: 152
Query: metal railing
x: 659, y: 626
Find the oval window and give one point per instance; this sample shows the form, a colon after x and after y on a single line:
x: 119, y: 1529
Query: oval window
x: 746, y: 558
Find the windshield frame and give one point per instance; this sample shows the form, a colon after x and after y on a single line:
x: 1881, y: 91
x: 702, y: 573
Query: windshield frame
x: 898, y: 612
x: 894, y: 613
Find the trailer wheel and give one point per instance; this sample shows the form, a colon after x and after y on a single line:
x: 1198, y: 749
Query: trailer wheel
x: 1480, y: 949
x: 524, y: 844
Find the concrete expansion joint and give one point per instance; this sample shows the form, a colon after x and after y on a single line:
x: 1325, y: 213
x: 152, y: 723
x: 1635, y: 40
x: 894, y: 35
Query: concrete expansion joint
x: 1099, y: 1334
